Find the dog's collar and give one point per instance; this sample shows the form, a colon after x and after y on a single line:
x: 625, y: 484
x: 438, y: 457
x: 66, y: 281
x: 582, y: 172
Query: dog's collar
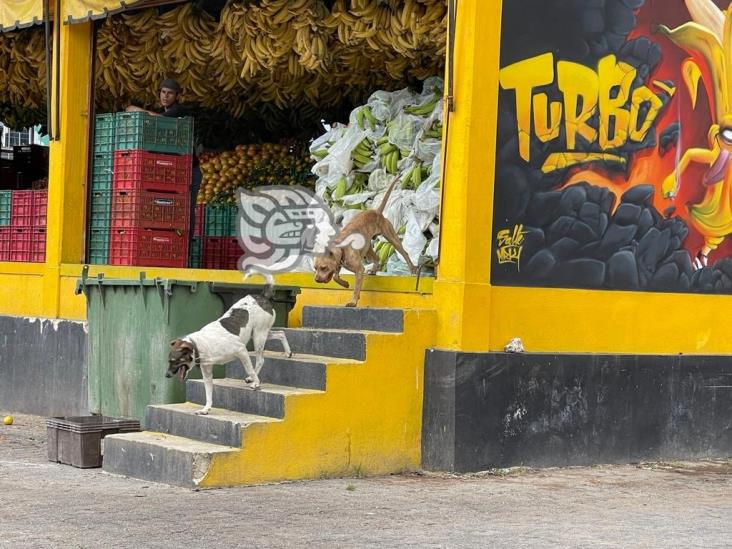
x: 196, y: 353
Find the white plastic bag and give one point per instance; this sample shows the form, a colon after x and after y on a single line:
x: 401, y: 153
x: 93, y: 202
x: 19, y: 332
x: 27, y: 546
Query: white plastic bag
x: 339, y: 162
x: 404, y: 131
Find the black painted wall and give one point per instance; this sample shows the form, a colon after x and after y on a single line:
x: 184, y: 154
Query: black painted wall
x: 43, y: 366
x: 500, y: 410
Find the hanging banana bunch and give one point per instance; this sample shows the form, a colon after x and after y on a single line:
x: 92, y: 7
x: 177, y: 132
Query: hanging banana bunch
x: 287, y: 54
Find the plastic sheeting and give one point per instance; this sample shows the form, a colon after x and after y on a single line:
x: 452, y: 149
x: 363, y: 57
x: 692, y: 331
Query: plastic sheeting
x: 18, y: 14
x: 412, y: 210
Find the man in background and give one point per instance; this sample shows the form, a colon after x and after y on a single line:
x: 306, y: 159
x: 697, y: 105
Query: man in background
x: 170, y: 107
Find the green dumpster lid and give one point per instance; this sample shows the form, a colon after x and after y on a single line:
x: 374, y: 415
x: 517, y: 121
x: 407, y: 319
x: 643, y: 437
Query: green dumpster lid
x: 166, y: 284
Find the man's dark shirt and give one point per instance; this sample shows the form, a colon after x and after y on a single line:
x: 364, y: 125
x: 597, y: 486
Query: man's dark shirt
x: 175, y: 111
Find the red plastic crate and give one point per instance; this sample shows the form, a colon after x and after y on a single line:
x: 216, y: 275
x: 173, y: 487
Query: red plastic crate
x: 21, y: 213
x: 152, y: 172
x: 5, y: 236
x: 40, y: 208
x: 149, y: 210
x: 148, y: 248
x: 28, y: 245
x: 221, y: 252
x: 200, y: 211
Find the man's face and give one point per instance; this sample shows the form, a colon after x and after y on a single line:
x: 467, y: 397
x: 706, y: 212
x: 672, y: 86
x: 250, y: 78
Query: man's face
x: 167, y: 97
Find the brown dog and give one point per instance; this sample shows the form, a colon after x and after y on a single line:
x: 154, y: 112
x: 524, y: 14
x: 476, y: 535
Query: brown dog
x: 353, y: 245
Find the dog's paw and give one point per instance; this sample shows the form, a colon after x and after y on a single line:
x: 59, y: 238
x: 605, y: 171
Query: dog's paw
x: 289, y: 355
x: 351, y: 304
x: 248, y: 379
x: 202, y: 412
x: 254, y: 385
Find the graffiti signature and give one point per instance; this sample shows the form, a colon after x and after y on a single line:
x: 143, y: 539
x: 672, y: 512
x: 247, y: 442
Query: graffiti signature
x: 510, y: 245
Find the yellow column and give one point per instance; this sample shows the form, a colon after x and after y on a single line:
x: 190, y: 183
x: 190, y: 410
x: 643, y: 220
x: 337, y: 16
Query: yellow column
x: 68, y: 162
x: 462, y: 290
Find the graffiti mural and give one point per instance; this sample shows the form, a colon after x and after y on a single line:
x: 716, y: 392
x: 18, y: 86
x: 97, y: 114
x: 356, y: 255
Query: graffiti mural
x: 614, y: 149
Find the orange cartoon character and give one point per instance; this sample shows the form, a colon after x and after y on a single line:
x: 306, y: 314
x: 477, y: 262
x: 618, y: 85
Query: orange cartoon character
x: 709, y: 36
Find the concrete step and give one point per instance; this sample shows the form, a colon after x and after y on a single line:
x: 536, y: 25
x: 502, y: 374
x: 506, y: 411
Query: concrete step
x: 353, y: 318
x: 327, y: 343
x: 219, y: 426
x: 158, y: 457
x: 237, y: 396
x: 305, y: 371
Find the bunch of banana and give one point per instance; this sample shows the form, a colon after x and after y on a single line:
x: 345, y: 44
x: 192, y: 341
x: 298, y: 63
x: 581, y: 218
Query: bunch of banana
x: 435, y: 131
x: 22, y: 69
x: 384, y: 250
x: 364, y: 115
x: 362, y: 154
x: 425, y: 109
x: 413, y: 177
x: 389, y: 155
x: 288, y: 53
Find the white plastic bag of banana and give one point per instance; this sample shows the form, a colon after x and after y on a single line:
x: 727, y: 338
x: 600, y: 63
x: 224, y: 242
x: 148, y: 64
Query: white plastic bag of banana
x: 414, y: 243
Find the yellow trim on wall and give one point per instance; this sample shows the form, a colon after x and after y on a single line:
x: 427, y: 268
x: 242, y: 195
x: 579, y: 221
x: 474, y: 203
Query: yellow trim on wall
x: 379, y: 291
x: 462, y: 293
x: 67, y: 164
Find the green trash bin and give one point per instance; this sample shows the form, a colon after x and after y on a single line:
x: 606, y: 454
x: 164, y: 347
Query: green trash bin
x: 131, y: 324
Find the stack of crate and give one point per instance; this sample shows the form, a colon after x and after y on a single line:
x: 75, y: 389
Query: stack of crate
x: 23, y: 225
x: 100, y: 211
x: 195, y: 253
x: 221, y: 249
x: 146, y: 210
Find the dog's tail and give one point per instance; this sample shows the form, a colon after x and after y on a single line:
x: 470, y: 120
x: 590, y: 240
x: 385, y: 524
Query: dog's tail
x: 381, y: 207
x: 268, y: 291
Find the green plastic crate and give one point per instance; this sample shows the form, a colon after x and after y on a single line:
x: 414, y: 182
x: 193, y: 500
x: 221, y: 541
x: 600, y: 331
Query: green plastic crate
x: 142, y: 131
x: 99, y: 246
x: 6, y: 203
x: 220, y: 220
x: 104, y: 133
x: 100, y: 215
x: 195, y: 254
x: 102, y: 172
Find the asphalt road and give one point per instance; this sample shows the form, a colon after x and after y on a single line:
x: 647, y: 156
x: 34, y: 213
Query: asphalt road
x: 43, y: 504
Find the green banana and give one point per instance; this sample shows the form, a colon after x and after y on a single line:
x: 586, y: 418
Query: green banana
x: 369, y: 117
x: 386, y: 148
x: 423, y: 110
x: 320, y: 153
x: 340, y: 188
x: 417, y: 175
x: 393, y: 159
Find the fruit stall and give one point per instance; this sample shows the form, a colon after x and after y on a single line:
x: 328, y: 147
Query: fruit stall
x: 338, y: 96
x: 334, y: 96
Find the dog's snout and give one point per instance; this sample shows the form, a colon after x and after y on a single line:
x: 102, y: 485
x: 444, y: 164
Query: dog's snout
x: 168, y: 374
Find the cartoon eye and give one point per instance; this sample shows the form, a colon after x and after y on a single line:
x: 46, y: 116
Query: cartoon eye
x: 727, y: 135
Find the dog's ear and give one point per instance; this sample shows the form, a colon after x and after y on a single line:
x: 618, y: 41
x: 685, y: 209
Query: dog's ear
x: 186, y: 345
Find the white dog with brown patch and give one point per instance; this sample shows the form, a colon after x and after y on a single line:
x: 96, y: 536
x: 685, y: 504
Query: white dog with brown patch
x: 226, y: 339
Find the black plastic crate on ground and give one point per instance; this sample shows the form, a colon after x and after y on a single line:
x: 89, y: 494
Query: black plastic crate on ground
x: 77, y: 440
